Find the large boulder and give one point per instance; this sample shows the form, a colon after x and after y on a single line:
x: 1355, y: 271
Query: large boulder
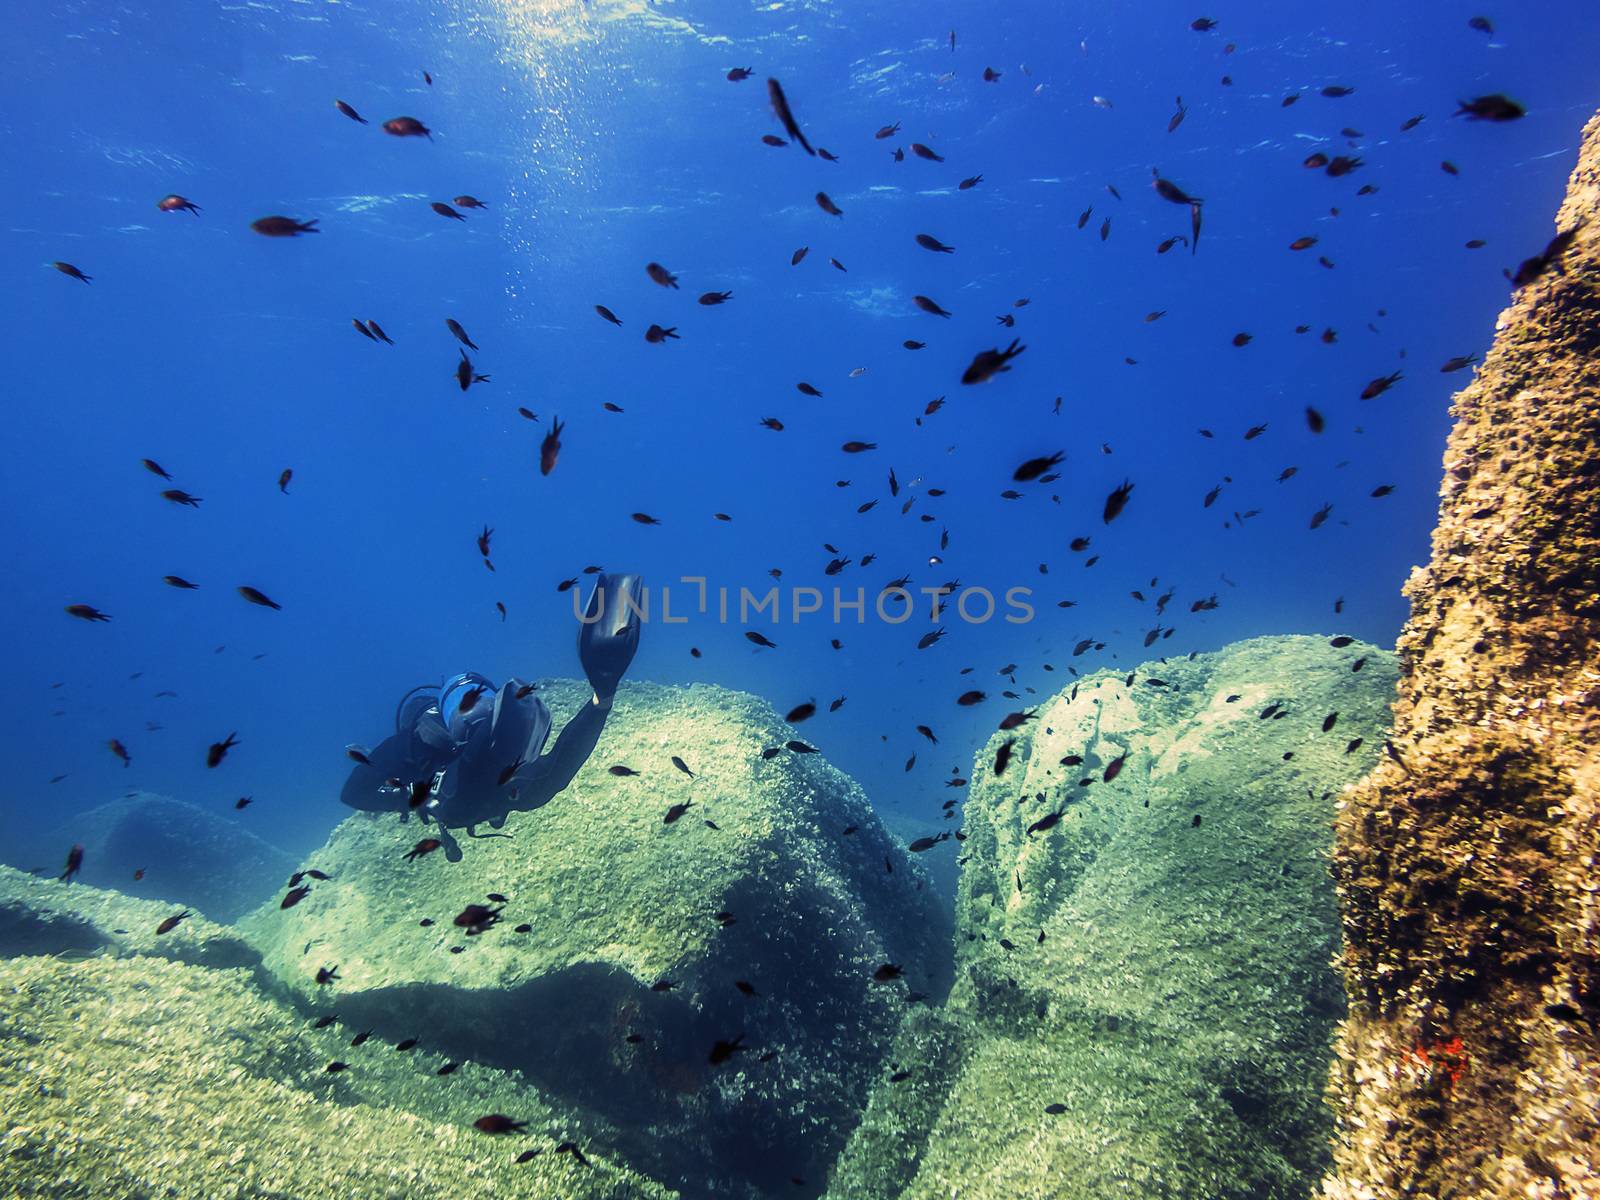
x: 637, y: 936
x: 1144, y: 999
x: 141, y: 1077
x: 186, y: 854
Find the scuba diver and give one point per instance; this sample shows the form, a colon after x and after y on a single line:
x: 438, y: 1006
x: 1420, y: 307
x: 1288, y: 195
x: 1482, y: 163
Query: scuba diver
x: 466, y: 753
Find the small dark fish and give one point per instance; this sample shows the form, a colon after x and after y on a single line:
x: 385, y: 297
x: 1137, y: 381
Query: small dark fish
x: 1496, y: 107
x: 572, y: 1149
x: 710, y: 298
x: 971, y: 181
x: 1168, y: 190
x: 498, y: 1123
x: 550, y: 448
x: 1046, y: 823
x: 1532, y: 268
x: 887, y: 973
x: 1334, y: 91
x: 283, y: 227
x: 74, y: 863
x: 171, y: 922
x: 179, y: 496
x: 176, y: 203
x: 676, y: 811
x: 621, y: 772
x: 780, y: 106
x: 444, y: 210
x: 407, y: 127
x: 794, y: 259
x: 1002, y: 756
x: 722, y: 1051
x: 1382, y: 490
x: 760, y: 639
x: 477, y: 918
x: 219, y: 750
x: 349, y: 112
x: 926, y: 152
x: 425, y: 846
x: 607, y: 315
x: 450, y: 1068
x: 657, y: 336
x: 1116, y: 502
x: 929, y: 242
x: 407, y: 1044
x: 738, y: 74
x: 1380, y: 385
x: 968, y: 699
x: 336, y: 1066
x: 327, y: 975
x: 72, y: 272
x: 798, y: 747
x: 986, y: 364
x: 826, y: 204
x: 295, y: 896
x: 461, y: 336
x: 1321, y: 515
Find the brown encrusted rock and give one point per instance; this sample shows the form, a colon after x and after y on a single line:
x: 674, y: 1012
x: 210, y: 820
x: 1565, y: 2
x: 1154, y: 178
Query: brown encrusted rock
x: 1466, y: 861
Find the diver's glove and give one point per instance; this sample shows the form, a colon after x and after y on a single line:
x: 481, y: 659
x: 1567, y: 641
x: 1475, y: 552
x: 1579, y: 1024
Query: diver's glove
x: 610, y: 632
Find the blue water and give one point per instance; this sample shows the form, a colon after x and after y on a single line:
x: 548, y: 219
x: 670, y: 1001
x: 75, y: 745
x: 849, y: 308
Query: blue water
x: 606, y: 136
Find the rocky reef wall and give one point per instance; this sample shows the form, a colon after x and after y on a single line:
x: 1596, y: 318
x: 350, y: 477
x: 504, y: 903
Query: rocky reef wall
x: 1466, y: 862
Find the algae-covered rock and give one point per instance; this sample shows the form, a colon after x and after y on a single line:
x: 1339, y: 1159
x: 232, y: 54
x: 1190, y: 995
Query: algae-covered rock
x: 1467, y: 863
x: 639, y: 933
x: 147, y: 1078
x: 49, y: 916
x: 186, y: 854
x: 1144, y: 996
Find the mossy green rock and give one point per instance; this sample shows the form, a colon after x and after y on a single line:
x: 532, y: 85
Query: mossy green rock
x: 142, y: 1077
x: 72, y: 920
x: 618, y: 902
x: 1144, y: 997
